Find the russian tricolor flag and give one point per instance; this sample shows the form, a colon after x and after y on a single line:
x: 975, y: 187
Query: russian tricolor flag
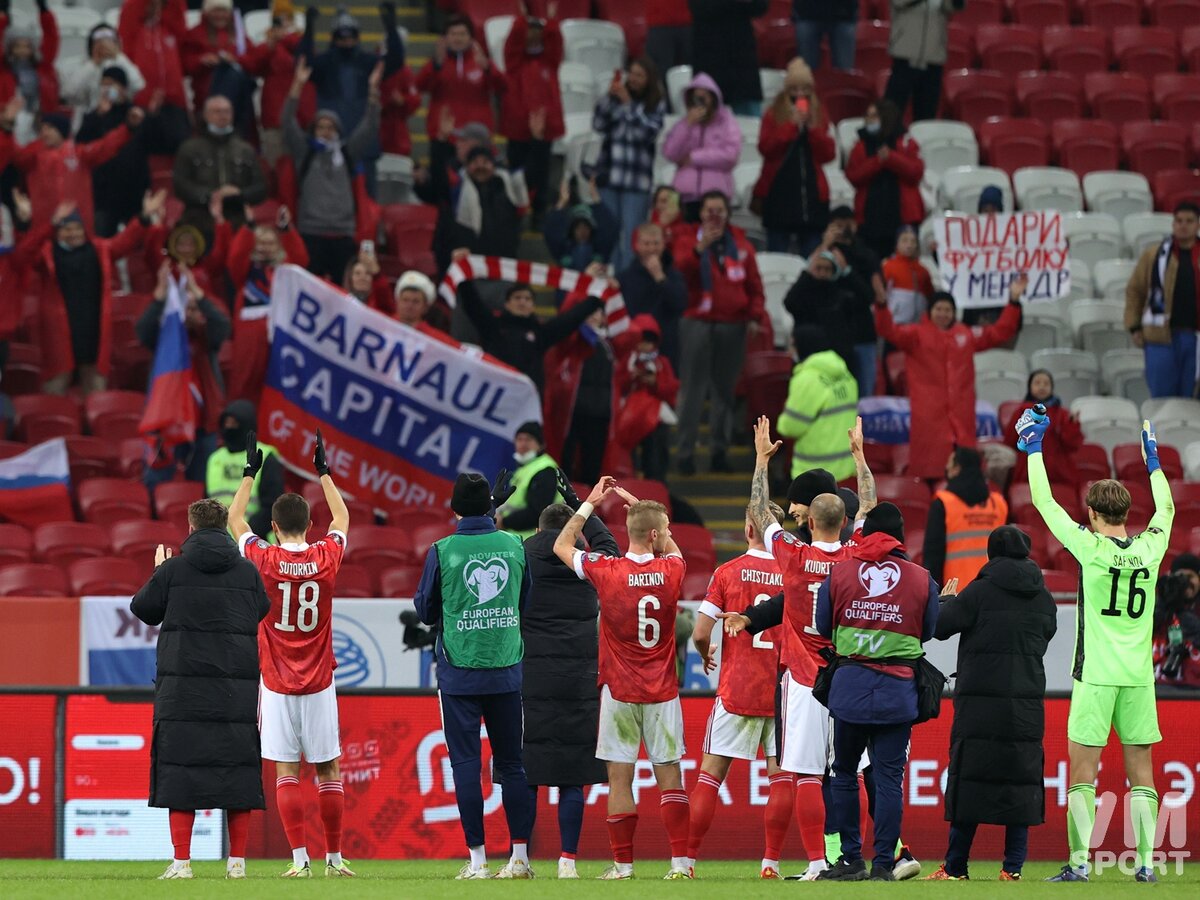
x: 35, y: 487
x: 170, y: 415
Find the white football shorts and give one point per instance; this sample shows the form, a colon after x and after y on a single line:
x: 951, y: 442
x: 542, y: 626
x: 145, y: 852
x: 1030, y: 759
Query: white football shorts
x: 295, y: 725
x: 738, y: 737
x: 624, y: 727
x: 807, y: 731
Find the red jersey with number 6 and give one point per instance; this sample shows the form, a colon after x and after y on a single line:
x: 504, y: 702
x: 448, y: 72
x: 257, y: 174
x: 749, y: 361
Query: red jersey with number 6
x: 638, y: 599
x: 295, y: 640
x: 805, y: 568
x: 749, y: 663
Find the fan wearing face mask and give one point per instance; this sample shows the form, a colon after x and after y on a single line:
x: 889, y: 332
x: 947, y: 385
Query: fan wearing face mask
x: 216, y: 163
x: 225, y: 467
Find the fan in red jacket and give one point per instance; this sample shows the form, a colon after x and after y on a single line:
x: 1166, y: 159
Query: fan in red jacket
x: 939, y: 360
x: 460, y: 80
x: 1062, y: 438
x: 645, y: 382
x: 75, y: 308
x: 277, y: 71
x: 12, y: 276
x: 26, y: 69
x: 57, y: 170
x: 885, y: 168
x: 152, y: 33
x: 909, y: 285
x: 400, y: 99
x: 214, y: 41
x: 185, y: 246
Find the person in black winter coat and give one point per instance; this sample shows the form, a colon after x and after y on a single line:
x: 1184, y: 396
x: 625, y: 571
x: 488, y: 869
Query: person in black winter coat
x: 824, y: 299
x: 205, y: 752
x: 724, y: 47
x: 117, y: 185
x: 652, y: 285
x: 559, y: 695
x: 1005, y: 619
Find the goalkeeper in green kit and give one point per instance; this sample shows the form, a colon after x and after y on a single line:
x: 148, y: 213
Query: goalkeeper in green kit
x: 1112, y: 670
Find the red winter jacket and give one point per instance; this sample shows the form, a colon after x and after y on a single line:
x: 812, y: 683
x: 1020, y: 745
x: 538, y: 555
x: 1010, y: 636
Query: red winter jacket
x: 278, y: 69
x: 666, y: 13
x: 156, y: 49
x: 47, y: 76
x: 905, y: 162
x: 202, y: 40
x: 531, y: 83
x: 65, y: 173
x: 462, y: 86
x: 400, y: 100
x: 775, y: 138
x: 209, y: 269
x: 940, y: 370
x: 732, y: 301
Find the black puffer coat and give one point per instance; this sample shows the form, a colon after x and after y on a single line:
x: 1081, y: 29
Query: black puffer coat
x: 561, y: 699
x: 205, y: 752
x: 1006, y: 618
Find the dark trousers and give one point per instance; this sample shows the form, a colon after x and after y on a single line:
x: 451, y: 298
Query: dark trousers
x: 504, y: 717
x: 164, y: 131
x: 534, y: 158
x: 328, y: 255
x: 889, y: 754
x: 655, y: 452
x: 668, y: 46
x: 1016, y: 843
x: 586, y: 440
x: 570, y: 814
x: 922, y: 86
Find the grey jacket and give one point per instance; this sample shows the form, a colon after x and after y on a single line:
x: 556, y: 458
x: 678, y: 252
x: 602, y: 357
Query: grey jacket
x: 326, y: 188
x: 206, y: 162
x: 919, y: 31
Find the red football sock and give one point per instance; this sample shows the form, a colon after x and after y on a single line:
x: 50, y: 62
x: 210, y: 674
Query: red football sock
x: 864, y: 813
x: 332, y: 799
x: 291, y: 809
x: 778, y: 815
x: 673, y: 807
x: 810, y: 813
x: 238, y: 822
x: 620, y: 836
x: 182, y: 821
x: 703, y: 804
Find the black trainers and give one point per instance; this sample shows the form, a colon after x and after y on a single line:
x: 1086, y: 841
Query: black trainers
x: 880, y: 873
x: 845, y: 871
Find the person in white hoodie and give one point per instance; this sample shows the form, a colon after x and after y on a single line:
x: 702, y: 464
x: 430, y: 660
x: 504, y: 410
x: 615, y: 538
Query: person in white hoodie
x: 81, y: 86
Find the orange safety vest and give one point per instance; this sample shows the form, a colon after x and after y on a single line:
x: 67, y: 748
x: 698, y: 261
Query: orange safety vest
x: 967, y: 531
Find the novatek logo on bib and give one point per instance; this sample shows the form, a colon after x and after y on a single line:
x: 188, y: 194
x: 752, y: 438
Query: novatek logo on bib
x: 878, y: 579
x: 486, y: 579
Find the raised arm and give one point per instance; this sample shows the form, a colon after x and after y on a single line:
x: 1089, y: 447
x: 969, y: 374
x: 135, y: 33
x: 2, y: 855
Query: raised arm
x: 760, y: 492
x: 1062, y: 526
x: 238, y: 525
x: 337, y: 506
x: 1164, y: 504
x: 867, y: 500
x: 564, y: 544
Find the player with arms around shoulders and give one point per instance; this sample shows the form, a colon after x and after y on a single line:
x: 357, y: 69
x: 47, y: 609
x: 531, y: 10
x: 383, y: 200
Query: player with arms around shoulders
x: 743, y: 714
x: 639, y: 692
x: 1113, y: 667
x: 298, y: 712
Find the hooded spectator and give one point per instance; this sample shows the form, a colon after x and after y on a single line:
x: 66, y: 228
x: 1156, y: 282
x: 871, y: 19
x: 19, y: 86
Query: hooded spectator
x: 531, y: 115
x: 647, y: 389
x: 832, y: 20
x: 724, y: 46
x: 1005, y: 620
x: 118, y: 183
x: 216, y: 162
x: 218, y: 58
x: 885, y: 168
x: 821, y: 407
x: 705, y: 144
x: 580, y: 234
x: 28, y: 68
x: 652, y: 286
x: 461, y: 82
x: 917, y: 43
x: 152, y: 33
x: 860, y: 270
x: 792, y: 192
x: 325, y: 161
x: 1062, y: 438
x: 83, y: 87
x: 277, y: 70
x: 909, y: 285
x: 485, y: 210
x: 669, y: 34
x: 991, y: 200
x: 628, y: 118
x: 960, y: 516
x: 822, y: 298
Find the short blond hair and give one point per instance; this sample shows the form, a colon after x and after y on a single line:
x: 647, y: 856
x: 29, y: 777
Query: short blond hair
x: 643, y: 517
x: 1111, y: 501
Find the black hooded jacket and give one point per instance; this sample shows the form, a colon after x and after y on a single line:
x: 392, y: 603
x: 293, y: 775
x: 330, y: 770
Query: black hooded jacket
x: 1005, y: 619
x: 208, y: 601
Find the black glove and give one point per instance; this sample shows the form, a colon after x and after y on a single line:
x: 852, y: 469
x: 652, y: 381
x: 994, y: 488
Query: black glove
x: 567, y: 490
x: 254, y: 456
x: 387, y: 15
x: 319, y: 462
x: 502, y: 489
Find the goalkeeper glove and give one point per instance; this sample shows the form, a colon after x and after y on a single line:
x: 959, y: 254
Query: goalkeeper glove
x: 254, y: 456
x: 567, y: 490
x: 319, y: 461
x: 1031, y: 428
x: 1150, y: 447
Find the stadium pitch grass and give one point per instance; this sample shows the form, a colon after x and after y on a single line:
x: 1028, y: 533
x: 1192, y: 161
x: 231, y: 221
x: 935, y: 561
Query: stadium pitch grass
x: 435, y: 879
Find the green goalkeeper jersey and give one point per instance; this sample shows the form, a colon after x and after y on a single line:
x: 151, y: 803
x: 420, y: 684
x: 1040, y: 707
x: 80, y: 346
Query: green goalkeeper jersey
x: 1115, y: 611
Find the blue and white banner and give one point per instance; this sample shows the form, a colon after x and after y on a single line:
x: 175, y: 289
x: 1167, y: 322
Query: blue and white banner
x: 887, y: 420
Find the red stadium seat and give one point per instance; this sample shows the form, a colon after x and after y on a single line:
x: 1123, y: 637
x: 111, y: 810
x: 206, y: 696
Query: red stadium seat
x: 137, y: 539
x: 1186, y: 495
x: 108, y: 575
x: 974, y: 96
x: 1076, y: 50
x: 978, y: 12
x: 1129, y: 466
x: 1011, y: 144
x: 1175, y: 186
x: 1109, y: 13
x: 321, y: 517
x: 129, y: 458
x: 871, y: 46
x: 33, y: 580
x: 880, y: 457
x: 58, y: 543
x: 1177, y: 97
x: 1173, y: 14
x: 399, y: 581
x: 613, y: 507
x: 766, y: 377
x: 960, y: 48
x: 1146, y: 51
x: 409, y: 228
x: 354, y: 581
x: 775, y: 35
x: 696, y: 544
x: 23, y: 370
x: 380, y: 547
x: 695, y: 583
x: 845, y: 94
x: 904, y: 491
x: 631, y: 16
x: 424, y: 523
x: 16, y: 544
x: 1091, y: 461
x: 1086, y: 145
x: 114, y: 415
x: 89, y: 457
x: 1061, y: 584
x: 108, y: 500
x: 1039, y: 12
x: 1117, y: 96
x: 40, y: 417
x: 1189, y: 47
x: 1153, y: 146
x: 1009, y: 48
x: 1049, y: 96
x: 171, y: 497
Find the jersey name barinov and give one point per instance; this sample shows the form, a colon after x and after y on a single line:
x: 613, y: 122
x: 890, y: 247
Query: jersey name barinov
x: 297, y: 568
x: 483, y: 618
x: 646, y: 579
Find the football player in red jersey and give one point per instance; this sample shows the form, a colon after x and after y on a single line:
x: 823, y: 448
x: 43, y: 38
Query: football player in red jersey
x: 639, y: 691
x: 298, y: 712
x: 743, y: 715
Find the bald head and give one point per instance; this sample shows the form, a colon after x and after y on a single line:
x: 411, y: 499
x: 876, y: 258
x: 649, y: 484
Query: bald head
x: 826, y: 515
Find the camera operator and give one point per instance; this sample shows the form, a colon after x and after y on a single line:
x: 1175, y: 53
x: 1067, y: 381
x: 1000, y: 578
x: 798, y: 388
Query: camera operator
x: 1177, y: 625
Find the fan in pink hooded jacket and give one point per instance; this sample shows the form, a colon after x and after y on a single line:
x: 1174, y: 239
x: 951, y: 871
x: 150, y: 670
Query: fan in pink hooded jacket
x: 705, y: 143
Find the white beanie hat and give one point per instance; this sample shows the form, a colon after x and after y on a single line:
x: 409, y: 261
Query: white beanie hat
x: 413, y: 280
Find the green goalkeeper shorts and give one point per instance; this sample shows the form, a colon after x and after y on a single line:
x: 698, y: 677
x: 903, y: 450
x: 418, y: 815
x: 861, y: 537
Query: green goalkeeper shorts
x: 1096, y: 709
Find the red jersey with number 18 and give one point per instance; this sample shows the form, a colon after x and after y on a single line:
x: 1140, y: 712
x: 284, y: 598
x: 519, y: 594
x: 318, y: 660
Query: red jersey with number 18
x: 749, y: 663
x: 295, y: 640
x: 638, y: 599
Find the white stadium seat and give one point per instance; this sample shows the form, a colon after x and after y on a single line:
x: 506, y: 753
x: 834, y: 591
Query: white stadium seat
x: 1124, y: 374
x: 847, y: 136
x: 597, y: 44
x: 1094, y: 237
x: 1099, y: 326
x: 1000, y: 375
x: 1171, y: 408
x: 1042, y: 328
x: 944, y: 144
x: 772, y: 83
x: 1081, y: 279
x: 962, y: 185
x: 1117, y: 193
x: 1177, y: 432
x: 1001, y: 361
x: 1143, y: 230
x: 1110, y: 277
x: 1048, y: 187
x: 577, y: 87
x: 1094, y: 406
x: 1110, y: 432
x: 779, y: 271
x: 495, y: 33
x: 749, y: 126
x: 1076, y: 372
x: 1191, y: 461
x: 677, y: 79
x: 841, y: 191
